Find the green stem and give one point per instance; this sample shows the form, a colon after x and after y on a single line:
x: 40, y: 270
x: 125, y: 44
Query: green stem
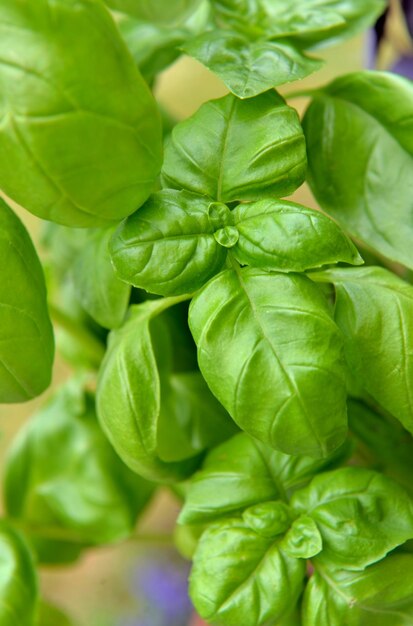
x: 301, y: 93
x: 93, y: 347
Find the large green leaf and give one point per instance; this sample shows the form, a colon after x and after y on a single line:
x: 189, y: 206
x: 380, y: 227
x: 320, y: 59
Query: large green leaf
x: 18, y: 580
x: 79, y: 124
x: 158, y: 420
x: 241, y: 577
x: 305, y: 22
x: 249, y: 67
x: 374, y: 309
x: 26, y: 335
x: 361, y: 515
x: 269, y: 351
x: 367, y: 189
x: 102, y: 294
x: 281, y: 235
x: 168, y: 246
x: 63, y: 477
x: 223, y: 486
x: 235, y: 150
x: 381, y: 595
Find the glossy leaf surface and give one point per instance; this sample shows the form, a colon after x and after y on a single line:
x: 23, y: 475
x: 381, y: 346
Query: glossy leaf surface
x: 102, y: 294
x: 235, y: 150
x: 155, y: 11
x: 168, y: 246
x: 269, y: 350
x: 373, y: 112
x: 18, y: 581
x: 374, y: 309
x: 281, y: 235
x: 223, y: 486
x: 63, y: 475
x: 232, y: 580
x: 26, y: 335
x: 381, y: 595
x: 361, y: 515
x: 80, y: 125
x: 306, y: 22
x: 250, y: 67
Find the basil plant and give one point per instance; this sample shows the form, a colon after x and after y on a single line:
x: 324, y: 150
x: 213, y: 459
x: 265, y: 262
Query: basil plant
x: 250, y: 353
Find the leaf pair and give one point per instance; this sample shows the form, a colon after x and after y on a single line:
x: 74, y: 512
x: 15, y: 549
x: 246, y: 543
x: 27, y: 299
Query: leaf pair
x: 349, y: 517
x: 62, y: 477
x: 261, y: 44
x: 158, y: 420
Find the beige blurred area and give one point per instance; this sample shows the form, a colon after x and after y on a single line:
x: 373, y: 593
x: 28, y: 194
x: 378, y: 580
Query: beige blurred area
x: 95, y: 586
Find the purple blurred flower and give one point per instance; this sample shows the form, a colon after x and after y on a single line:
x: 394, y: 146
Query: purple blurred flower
x: 378, y: 35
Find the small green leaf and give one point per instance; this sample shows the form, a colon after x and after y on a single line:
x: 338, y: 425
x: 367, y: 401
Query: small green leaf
x: 269, y: 350
x: 79, y: 124
x: 374, y: 309
x: 361, y: 515
x: 18, y: 580
x: 234, y: 150
x: 223, y: 486
x: 63, y: 475
x: 303, y: 540
x: 168, y: 246
x: 381, y: 595
x: 250, y: 67
x: 240, y: 577
x: 268, y: 519
x: 99, y: 290
x: 281, y: 235
x: 373, y: 113
x: 50, y: 615
x: 26, y: 334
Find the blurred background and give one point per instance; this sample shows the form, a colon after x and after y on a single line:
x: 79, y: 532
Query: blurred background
x: 143, y: 582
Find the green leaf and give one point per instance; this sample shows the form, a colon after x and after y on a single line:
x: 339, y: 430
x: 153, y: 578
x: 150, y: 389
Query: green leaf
x: 156, y: 11
x: 223, y: 486
x: 18, y: 580
x: 374, y: 309
x: 381, y: 595
x: 269, y: 351
x: 99, y: 290
x: 238, y: 150
x: 80, y: 125
x: 168, y: 246
x: 26, y: 334
x: 303, y: 540
x: 361, y: 515
x: 373, y: 113
x: 268, y: 519
x: 305, y: 22
x: 240, y: 577
x: 133, y: 382
x: 63, y: 476
x: 250, y: 67
x: 281, y: 235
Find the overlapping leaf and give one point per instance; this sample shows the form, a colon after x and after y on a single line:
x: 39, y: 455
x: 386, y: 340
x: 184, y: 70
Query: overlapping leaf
x: 374, y: 309
x: 235, y: 150
x: 269, y: 350
x: 26, y: 335
x: 369, y: 188
x: 79, y: 124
